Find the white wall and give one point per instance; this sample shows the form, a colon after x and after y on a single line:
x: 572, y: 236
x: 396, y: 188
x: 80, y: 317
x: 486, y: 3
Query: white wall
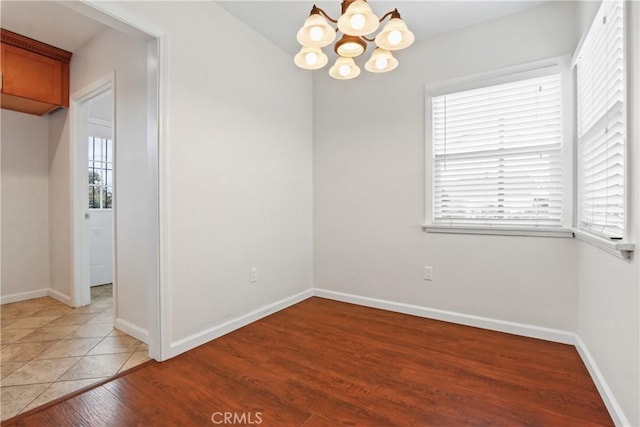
x: 369, y: 185
x: 25, y: 206
x: 609, y: 295
x: 239, y: 169
x: 127, y: 56
x: 60, y: 278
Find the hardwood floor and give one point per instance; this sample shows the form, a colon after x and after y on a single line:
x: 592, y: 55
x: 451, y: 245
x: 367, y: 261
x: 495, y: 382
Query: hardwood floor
x: 322, y: 363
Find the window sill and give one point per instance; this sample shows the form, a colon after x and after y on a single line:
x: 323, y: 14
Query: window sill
x: 618, y: 248
x: 498, y: 231
x: 623, y: 250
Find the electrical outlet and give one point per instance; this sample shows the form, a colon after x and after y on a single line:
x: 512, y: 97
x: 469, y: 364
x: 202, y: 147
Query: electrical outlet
x: 428, y: 273
x: 253, y: 274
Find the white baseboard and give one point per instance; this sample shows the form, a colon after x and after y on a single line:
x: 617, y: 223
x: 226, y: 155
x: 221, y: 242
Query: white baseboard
x: 194, y: 340
x: 548, y: 334
x: 531, y: 331
x: 214, y: 332
x: 130, y: 329
x: 23, y: 296
x: 555, y: 335
x: 601, y: 384
x: 63, y: 298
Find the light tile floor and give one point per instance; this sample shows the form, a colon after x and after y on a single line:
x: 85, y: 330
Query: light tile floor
x: 49, y: 350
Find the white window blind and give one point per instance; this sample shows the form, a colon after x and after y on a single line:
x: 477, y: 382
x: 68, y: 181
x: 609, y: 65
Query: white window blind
x: 601, y: 124
x: 497, y: 155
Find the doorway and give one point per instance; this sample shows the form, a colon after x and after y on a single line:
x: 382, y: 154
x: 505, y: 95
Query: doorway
x: 99, y: 215
x: 137, y: 87
x: 94, y: 244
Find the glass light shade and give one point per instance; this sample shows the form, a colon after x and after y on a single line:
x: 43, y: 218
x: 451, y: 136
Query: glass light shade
x: 381, y: 61
x: 310, y: 58
x: 344, y: 69
x: 358, y: 19
x: 316, y: 32
x: 350, y: 46
x: 395, y: 35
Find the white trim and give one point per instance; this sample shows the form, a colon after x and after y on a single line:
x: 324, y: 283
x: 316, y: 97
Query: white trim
x: 554, y: 65
x: 80, y: 294
x: 590, y: 236
x: 514, y: 328
x: 498, y: 76
x: 531, y: 331
x: 23, y: 296
x: 498, y: 231
x: 194, y: 340
x: 57, y: 295
x: 79, y: 274
x: 156, y: 149
x: 100, y: 122
x: 160, y: 349
x: 130, y: 329
x: 630, y: 77
x: 116, y: 16
x: 609, y: 399
x: 204, y: 336
x: 620, y: 249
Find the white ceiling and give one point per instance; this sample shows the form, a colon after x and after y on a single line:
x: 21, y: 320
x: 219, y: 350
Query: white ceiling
x: 50, y: 22
x: 279, y: 21
x: 58, y: 24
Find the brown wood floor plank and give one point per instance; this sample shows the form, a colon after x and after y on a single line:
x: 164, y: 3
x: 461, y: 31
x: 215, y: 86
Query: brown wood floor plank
x: 325, y: 363
x: 97, y: 407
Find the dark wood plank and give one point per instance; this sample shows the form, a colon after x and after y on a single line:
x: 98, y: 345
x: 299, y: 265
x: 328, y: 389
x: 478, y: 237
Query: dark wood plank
x: 323, y: 363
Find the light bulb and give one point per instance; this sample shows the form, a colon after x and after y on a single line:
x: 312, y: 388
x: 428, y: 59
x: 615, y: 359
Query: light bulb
x: 381, y: 63
x: 316, y: 33
x: 394, y: 37
x: 357, y: 21
x: 311, y: 58
x: 344, y: 70
x: 351, y: 46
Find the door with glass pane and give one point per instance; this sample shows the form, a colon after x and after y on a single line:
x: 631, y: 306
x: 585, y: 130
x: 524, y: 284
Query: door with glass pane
x: 100, y: 213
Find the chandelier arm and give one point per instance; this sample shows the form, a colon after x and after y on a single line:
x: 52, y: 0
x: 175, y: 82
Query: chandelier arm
x: 323, y: 13
x: 368, y: 39
x: 393, y: 14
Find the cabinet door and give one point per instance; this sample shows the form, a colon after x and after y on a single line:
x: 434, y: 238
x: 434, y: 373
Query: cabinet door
x: 29, y: 75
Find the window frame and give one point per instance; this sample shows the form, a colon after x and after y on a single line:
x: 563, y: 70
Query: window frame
x: 557, y: 65
x: 621, y: 248
x: 103, y: 186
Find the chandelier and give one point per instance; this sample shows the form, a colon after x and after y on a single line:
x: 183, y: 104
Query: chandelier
x: 356, y: 23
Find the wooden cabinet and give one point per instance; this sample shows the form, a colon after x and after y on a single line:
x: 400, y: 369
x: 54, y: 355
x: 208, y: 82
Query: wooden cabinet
x: 35, y: 75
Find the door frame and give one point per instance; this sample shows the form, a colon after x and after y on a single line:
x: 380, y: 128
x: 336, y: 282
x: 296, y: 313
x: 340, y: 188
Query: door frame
x: 80, y: 292
x: 115, y: 16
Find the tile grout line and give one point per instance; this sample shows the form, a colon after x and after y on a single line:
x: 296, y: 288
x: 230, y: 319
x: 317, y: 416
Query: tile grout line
x: 90, y: 316
x: 29, y: 403
x: 128, y: 358
x: 59, y: 376
x: 31, y: 360
x: 62, y: 339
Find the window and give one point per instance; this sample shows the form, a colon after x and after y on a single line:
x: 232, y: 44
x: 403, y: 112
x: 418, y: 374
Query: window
x: 100, y: 173
x: 497, y: 154
x: 600, y: 76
